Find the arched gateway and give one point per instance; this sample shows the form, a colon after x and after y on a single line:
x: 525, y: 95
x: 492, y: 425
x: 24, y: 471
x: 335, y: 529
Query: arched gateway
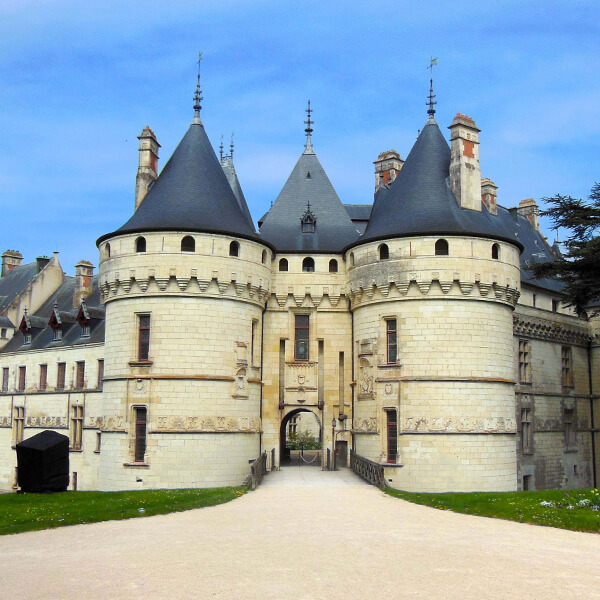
x: 300, y: 438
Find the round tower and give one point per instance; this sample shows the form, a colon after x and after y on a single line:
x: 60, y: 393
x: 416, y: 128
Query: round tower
x: 184, y: 283
x: 433, y: 286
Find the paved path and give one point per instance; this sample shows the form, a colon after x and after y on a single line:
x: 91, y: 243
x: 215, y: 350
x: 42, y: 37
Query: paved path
x: 303, y: 534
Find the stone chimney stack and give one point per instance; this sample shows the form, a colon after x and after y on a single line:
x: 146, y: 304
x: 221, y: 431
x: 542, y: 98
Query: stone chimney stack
x: 148, y: 164
x: 84, y: 272
x: 387, y: 167
x: 529, y: 208
x: 465, y: 172
x: 489, y: 195
x: 10, y: 260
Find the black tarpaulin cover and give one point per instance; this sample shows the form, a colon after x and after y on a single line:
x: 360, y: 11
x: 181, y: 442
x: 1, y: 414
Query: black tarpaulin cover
x: 43, y: 462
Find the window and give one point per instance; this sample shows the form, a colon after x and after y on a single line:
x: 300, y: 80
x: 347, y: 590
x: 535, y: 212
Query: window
x: 301, y: 337
x: 392, y: 435
x: 140, y: 433
x: 80, y: 375
x: 555, y: 305
x: 524, y: 362
x: 333, y: 266
x: 5, y: 379
x: 567, y: 370
x: 569, y: 419
x: 57, y: 334
x: 3, y: 333
x: 441, y: 248
x: 526, y: 483
x: 533, y: 300
x: 140, y: 244
x: 76, y: 426
x: 188, y: 244
x: 98, y: 442
x: 253, y: 340
x: 264, y: 257
x: 143, y: 337
x: 283, y: 264
x: 234, y: 249
x: 308, y: 265
x: 391, y: 341
x: 107, y: 251
x: 384, y: 252
x: 43, y: 377
x: 22, y: 375
x: 495, y: 251
x: 27, y: 337
x: 351, y: 258
x: 526, y: 433
x: 60, y: 375
x: 85, y: 330
x: 100, y: 373
x: 18, y: 423
x: 293, y: 425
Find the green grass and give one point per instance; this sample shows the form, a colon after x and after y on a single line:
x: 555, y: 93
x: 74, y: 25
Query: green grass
x: 30, y: 512
x: 524, y: 507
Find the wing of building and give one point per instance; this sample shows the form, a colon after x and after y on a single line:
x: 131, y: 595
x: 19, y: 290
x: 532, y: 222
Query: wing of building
x: 406, y: 333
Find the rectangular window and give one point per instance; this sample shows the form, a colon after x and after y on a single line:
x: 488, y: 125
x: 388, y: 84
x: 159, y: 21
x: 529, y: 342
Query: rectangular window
x: 524, y: 362
x: 301, y: 337
x: 85, y: 330
x: 5, y: 379
x: 140, y: 433
x: 533, y: 300
x: 3, y: 333
x: 143, y: 337
x: 567, y: 370
x: 98, y: 442
x: 80, y: 375
x: 391, y: 341
x: 555, y: 305
x: 100, y: 373
x: 60, y: 375
x: 18, y: 423
x: 253, y: 341
x: 57, y: 335
x: 76, y: 427
x: 22, y: 376
x: 569, y: 419
x: 526, y: 434
x: 43, y: 377
x: 392, y: 435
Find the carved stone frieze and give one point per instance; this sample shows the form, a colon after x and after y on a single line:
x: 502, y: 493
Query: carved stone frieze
x: 301, y: 376
x: 365, y: 425
x: 208, y: 424
x: 365, y: 378
x: 45, y: 421
x: 547, y: 329
x: 460, y: 425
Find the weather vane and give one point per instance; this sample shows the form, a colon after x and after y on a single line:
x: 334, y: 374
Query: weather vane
x: 198, y: 95
x: 432, y: 102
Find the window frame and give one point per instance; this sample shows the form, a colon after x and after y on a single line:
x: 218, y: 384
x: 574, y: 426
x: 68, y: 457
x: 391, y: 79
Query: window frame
x: 391, y: 442
x: 76, y: 427
x: 303, y: 338
x: 283, y: 262
x: 308, y: 264
x: 333, y: 266
x: 234, y: 249
x: 524, y: 359
x: 442, y: 247
x: 43, y: 383
x: 526, y: 430
x: 140, y: 433
x: 61, y: 375
x: 80, y: 374
x: 143, y: 349
x: 188, y: 243
x: 100, y: 383
x: 566, y: 360
x: 570, y: 429
x: 391, y: 340
x: 18, y: 423
x: 140, y: 245
x: 22, y: 381
x: 5, y: 378
x: 495, y: 251
x: 383, y: 252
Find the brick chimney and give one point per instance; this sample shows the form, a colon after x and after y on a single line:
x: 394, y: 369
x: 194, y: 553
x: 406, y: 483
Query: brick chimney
x: 387, y: 167
x: 529, y: 208
x: 465, y: 172
x: 147, y: 165
x: 489, y: 195
x: 84, y: 272
x: 10, y: 260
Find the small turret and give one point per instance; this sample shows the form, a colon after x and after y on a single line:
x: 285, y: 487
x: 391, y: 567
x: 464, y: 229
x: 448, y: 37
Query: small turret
x: 148, y: 164
x: 465, y: 171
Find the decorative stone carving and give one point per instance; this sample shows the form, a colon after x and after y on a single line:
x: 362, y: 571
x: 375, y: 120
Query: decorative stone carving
x: 365, y: 425
x: 365, y: 378
x: 546, y: 329
x: 460, y: 425
x: 208, y: 424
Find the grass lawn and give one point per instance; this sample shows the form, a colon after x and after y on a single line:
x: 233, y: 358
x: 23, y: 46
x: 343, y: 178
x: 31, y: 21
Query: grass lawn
x: 30, y: 512
x: 578, y: 510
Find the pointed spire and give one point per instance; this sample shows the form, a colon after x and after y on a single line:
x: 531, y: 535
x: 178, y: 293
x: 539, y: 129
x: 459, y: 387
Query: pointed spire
x: 221, y: 150
x: 308, y: 149
x: 231, y: 147
x: 198, y: 95
x: 432, y: 102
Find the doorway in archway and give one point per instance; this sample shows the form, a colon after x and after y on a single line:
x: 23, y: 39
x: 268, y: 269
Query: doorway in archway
x: 300, y: 439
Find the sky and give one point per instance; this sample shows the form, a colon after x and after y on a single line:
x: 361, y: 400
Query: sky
x: 80, y: 80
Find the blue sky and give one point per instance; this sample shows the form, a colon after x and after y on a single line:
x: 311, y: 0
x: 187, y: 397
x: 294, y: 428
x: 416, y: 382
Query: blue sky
x: 79, y: 81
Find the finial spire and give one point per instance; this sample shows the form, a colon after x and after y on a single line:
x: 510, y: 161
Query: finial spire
x: 221, y: 149
x: 308, y: 149
x: 231, y: 147
x: 198, y: 95
x: 432, y: 102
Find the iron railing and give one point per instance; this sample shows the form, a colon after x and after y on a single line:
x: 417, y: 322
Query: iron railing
x: 369, y: 470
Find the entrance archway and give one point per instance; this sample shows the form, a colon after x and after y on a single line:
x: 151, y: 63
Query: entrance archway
x: 300, y: 438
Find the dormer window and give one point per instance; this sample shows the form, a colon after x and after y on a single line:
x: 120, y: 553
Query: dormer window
x: 57, y: 335
x: 83, y: 318
x: 3, y: 333
x: 308, y: 221
x: 27, y: 338
x: 85, y: 330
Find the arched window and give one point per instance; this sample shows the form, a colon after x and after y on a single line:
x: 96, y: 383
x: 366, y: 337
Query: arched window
x: 308, y: 265
x: 234, y: 249
x: 351, y: 259
x: 283, y: 264
x: 107, y: 251
x: 496, y: 251
x: 188, y: 244
x: 333, y: 266
x: 441, y: 248
x: 264, y: 257
x: 384, y: 252
x: 140, y: 244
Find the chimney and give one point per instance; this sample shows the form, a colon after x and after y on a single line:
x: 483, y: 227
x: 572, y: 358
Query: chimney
x: 148, y: 164
x: 41, y: 262
x: 10, y: 260
x: 387, y: 167
x: 84, y: 272
x: 465, y: 172
x: 489, y: 195
x: 529, y: 208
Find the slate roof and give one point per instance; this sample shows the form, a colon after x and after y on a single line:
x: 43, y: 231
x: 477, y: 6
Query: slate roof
x: 360, y: 214
x: 13, y: 283
x: 191, y: 194
x: 234, y: 182
x: 308, y: 182
x: 5, y: 321
x: 420, y: 201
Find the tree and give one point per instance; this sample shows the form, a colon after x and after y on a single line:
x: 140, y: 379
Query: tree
x: 579, y: 266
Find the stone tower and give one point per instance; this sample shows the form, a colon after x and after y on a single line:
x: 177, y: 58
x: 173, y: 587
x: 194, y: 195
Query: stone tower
x: 147, y: 171
x: 184, y: 283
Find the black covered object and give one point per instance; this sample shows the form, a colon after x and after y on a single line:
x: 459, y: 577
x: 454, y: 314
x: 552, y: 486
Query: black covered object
x: 43, y: 462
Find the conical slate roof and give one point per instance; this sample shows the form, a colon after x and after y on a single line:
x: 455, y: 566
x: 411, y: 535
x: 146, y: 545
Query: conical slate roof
x: 420, y: 201
x: 308, y: 183
x: 191, y: 194
x: 234, y: 182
